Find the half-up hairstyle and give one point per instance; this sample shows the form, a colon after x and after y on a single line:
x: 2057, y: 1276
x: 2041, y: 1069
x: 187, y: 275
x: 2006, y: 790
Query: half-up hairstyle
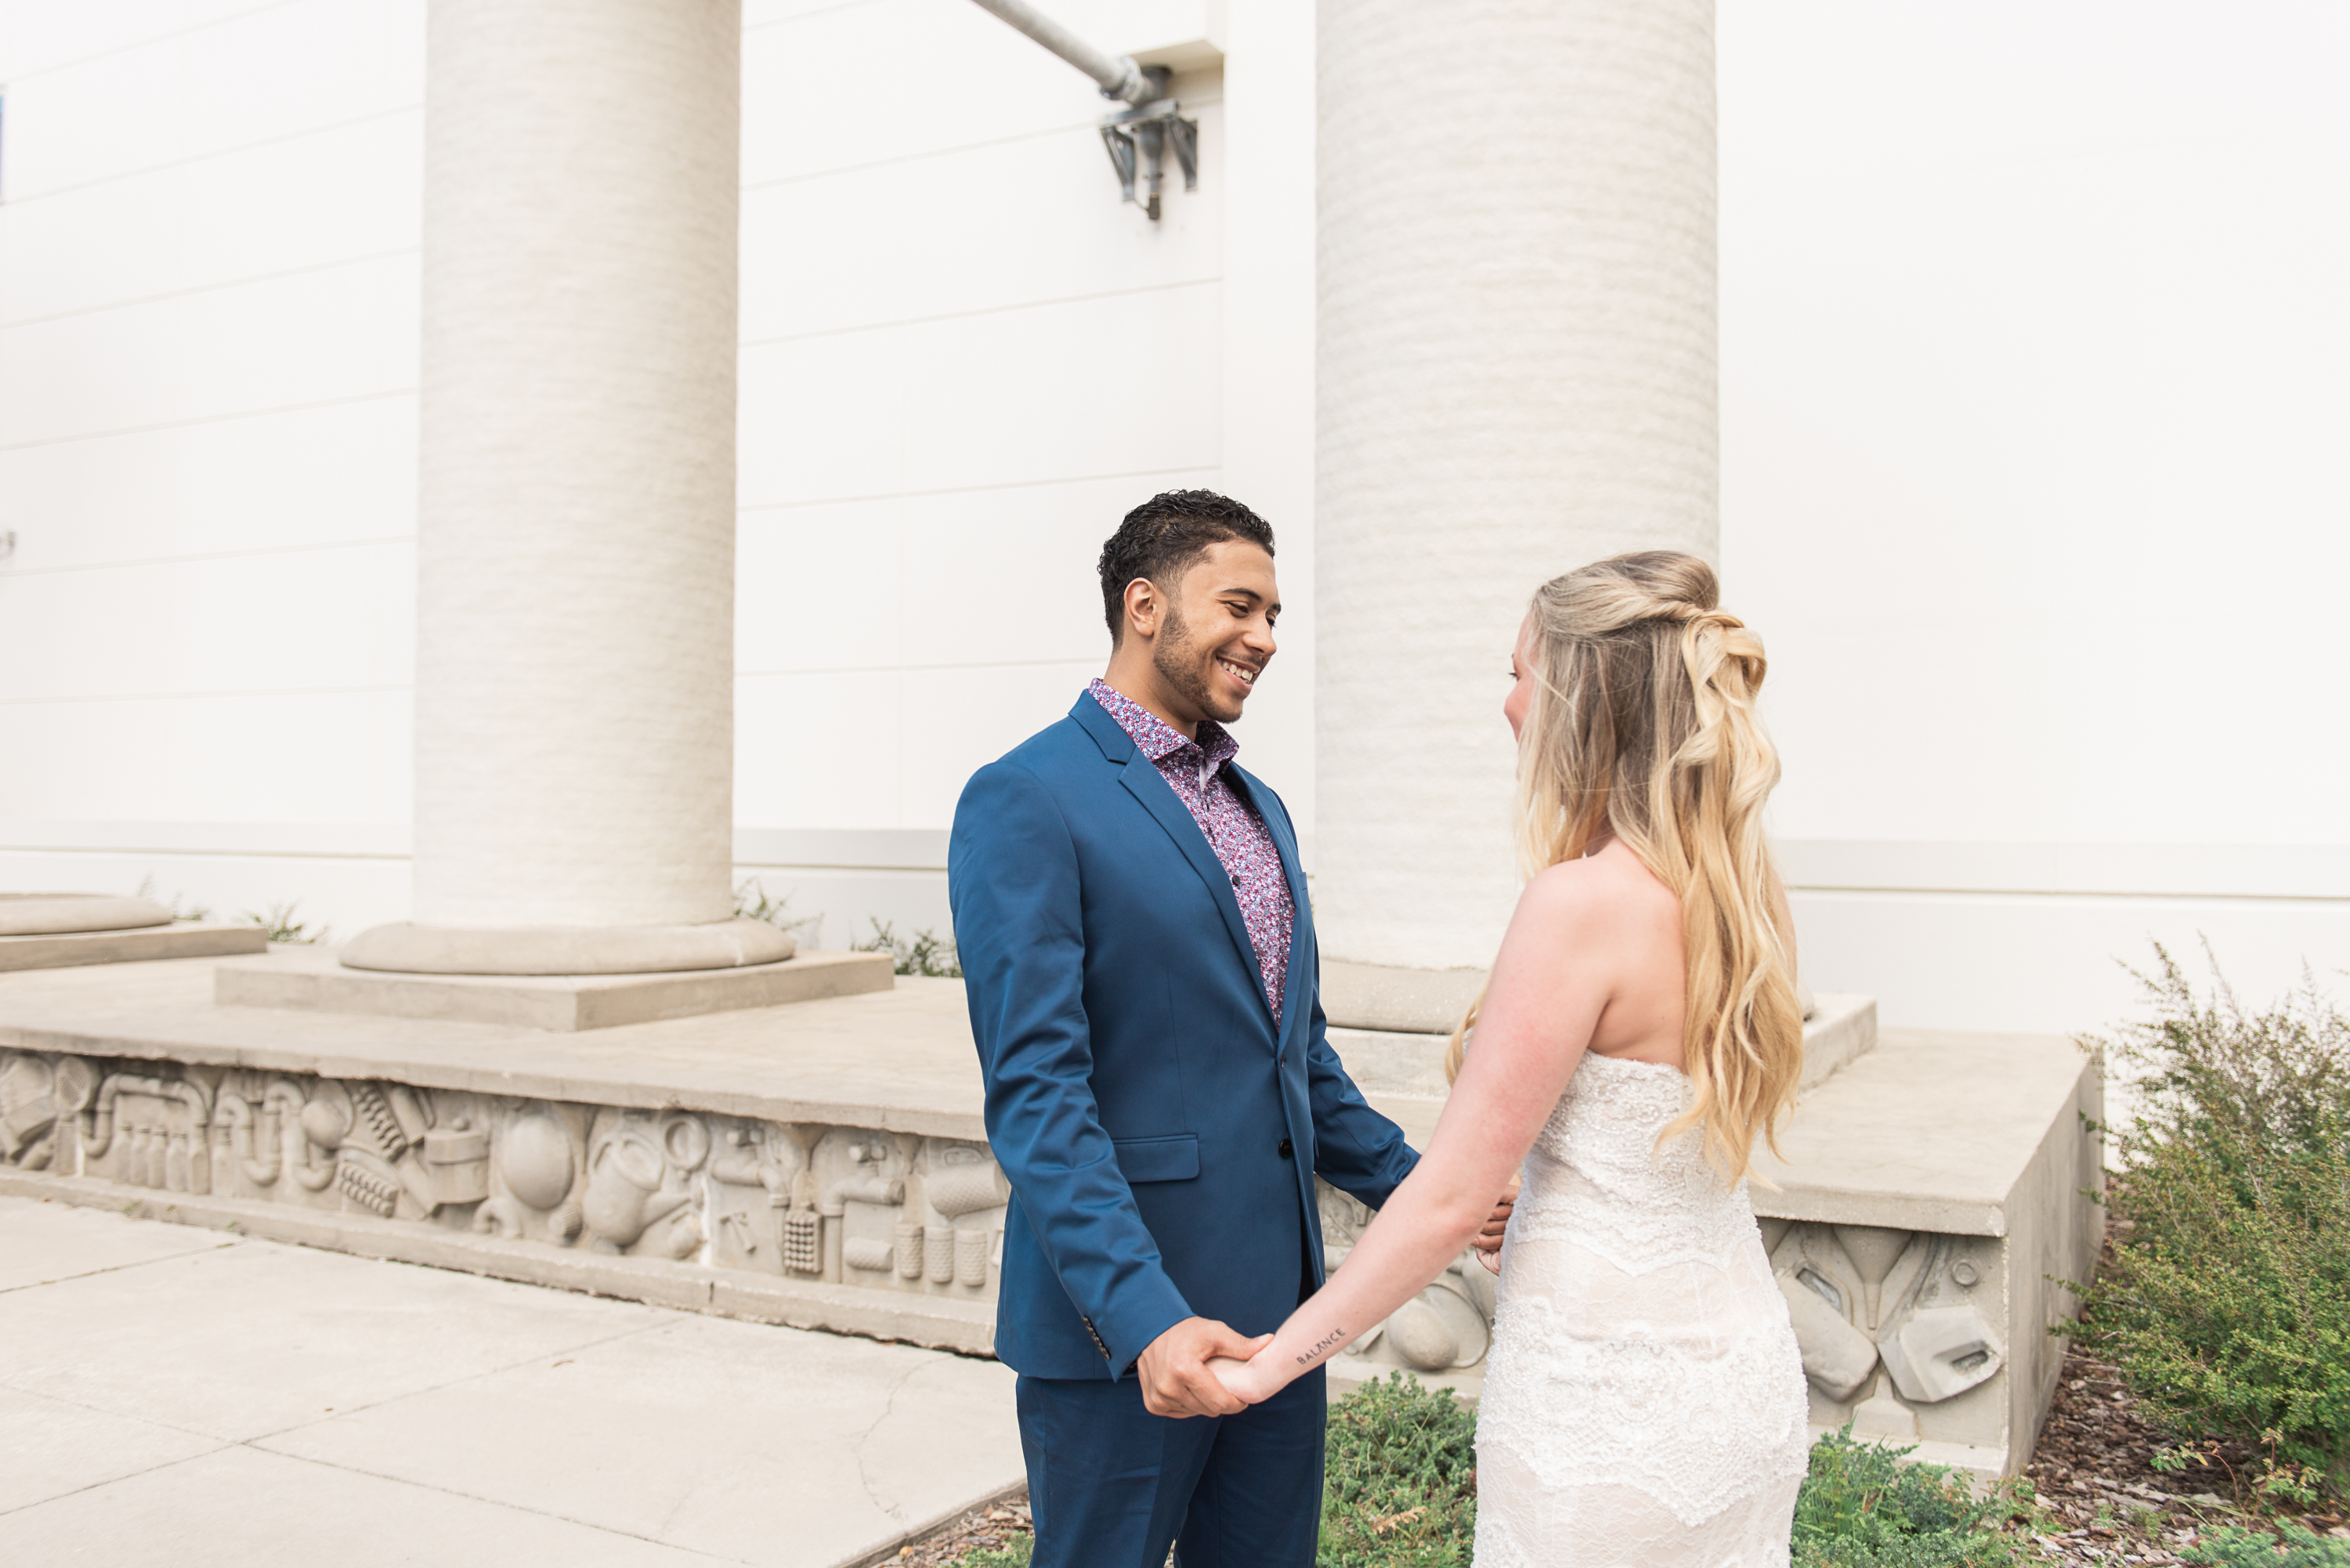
x: 1643, y: 726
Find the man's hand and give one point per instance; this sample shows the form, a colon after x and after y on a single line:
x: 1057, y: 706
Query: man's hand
x: 1174, y: 1372
x: 1488, y: 1241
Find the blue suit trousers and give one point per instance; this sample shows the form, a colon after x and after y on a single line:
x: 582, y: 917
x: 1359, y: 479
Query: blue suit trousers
x: 1110, y: 1484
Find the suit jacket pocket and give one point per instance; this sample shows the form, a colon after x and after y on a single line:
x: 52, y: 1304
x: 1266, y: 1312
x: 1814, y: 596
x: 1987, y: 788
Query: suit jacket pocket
x: 1174, y: 1158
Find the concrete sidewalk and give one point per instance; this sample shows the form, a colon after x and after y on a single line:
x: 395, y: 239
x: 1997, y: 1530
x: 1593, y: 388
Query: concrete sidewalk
x: 175, y: 1396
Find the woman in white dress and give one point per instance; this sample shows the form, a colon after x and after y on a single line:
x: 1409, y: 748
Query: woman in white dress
x: 1644, y: 1399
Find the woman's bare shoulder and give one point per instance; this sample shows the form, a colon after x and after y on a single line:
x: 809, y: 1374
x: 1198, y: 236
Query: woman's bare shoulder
x: 1605, y: 892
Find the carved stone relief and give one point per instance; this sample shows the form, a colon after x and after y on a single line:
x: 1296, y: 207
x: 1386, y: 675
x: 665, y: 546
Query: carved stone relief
x: 1892, y: 1323
x: 854, y: 1206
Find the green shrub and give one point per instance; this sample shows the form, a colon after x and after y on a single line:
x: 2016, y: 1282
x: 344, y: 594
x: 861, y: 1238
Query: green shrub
x: 2296, y: 1546
x: 1400, y: 1486
x: 1861, y: 1507
x: 2226, y: 1300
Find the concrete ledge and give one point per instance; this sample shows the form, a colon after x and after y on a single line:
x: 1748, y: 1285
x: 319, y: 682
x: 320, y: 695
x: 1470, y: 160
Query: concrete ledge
x: 1841, y: 1028
x: 1932, y: 1131
x: 315, y: 980
x: 189, y: 939
x: 51, y: 913
x: 406, y: 949
x: 1403, y: 1073
x: 1394, y: 1000
x: 936, y: 1324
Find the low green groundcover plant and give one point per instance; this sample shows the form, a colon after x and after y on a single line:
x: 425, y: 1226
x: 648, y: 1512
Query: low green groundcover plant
x: 1400, y: 1488
x: 2226, y: 1298
x: 1860, y: 1507
x: 1401, y: 1492
x: 2293, y: 1546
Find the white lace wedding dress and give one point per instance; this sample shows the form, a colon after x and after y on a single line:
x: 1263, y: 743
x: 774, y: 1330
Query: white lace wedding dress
x: 1644, y: 1400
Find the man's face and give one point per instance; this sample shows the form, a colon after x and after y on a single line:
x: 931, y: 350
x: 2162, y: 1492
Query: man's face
x: 1215, y: 633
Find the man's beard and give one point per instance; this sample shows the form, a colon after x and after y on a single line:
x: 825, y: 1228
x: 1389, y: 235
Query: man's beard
x: 1175, y: 659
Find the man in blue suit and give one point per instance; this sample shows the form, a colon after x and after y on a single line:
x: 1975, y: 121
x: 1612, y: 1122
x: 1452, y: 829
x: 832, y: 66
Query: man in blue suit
x: 1140, y: 957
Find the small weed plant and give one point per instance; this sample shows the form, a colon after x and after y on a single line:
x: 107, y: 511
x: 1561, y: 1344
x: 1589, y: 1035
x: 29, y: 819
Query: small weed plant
x: 925, y: 953
x: 1860, y: 1507
x: 2226, y: 1298
x: 180, y: 911
x: 278, y: 921
x: 752, y: 903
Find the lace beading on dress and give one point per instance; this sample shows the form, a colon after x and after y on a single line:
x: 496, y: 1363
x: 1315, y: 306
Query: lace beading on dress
x: 1644, y: 1399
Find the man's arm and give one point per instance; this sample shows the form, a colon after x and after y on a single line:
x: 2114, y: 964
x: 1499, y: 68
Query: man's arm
x: 1363, y: 1153
x: 1012, y: 881
x: 1356, y: 1149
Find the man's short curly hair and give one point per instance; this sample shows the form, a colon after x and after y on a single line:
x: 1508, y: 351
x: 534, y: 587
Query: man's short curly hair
x: 1161, y: 539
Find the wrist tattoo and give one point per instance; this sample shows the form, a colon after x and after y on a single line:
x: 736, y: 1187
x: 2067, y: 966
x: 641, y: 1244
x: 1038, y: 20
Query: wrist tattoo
x: 1324, y: 1343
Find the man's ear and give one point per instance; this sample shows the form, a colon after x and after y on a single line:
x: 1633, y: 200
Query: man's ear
x: 1142, y: 607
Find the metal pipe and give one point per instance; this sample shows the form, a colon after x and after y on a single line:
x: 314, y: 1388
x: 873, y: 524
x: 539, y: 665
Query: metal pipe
x: 1117, y: 75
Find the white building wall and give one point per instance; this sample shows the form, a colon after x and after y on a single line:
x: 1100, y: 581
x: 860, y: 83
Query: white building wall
x: 208, y: 229
x: 2034, y: 395
x: 2032, y: 373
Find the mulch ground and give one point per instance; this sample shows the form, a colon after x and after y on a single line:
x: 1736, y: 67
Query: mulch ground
x: 2101, y: 1498
x: 988, y: 1529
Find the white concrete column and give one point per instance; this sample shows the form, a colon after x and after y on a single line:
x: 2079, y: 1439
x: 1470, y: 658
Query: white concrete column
x: 1515, y: 375
x: 576, y: 542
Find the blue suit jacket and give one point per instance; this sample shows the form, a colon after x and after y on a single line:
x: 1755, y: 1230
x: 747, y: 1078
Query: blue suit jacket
x: 1139, y: 1093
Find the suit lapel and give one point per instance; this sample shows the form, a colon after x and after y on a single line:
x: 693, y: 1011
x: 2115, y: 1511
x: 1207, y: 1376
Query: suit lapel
x: 1144, y: 781
x: 1301, y: 920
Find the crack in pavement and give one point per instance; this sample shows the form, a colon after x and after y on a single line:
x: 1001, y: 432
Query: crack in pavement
x: 864, y: 1477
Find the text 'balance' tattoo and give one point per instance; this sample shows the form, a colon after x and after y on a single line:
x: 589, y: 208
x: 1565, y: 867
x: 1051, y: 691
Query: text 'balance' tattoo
x: 1321, y: 1345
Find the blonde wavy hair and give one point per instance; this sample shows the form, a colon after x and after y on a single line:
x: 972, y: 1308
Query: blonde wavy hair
x: 1643, y: 727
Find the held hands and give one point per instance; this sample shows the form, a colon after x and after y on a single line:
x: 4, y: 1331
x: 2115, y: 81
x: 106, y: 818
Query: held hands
x: 1176, y: 1374
x: 1251, y: 1382
x: 1488, y: 1241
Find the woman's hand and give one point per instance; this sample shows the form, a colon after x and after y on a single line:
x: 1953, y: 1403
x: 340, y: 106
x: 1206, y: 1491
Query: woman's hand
x: 1252, y: 1381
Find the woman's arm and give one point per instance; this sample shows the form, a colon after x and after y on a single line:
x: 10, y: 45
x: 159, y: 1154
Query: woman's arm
x: 1551, y: 981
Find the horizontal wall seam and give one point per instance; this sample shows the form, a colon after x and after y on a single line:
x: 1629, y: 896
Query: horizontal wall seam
x: 1088, y: 126
x: 195, y: 289
x: 2136, y: 896
x: 80, y: 60
x: 1085, y: 660
x: 986, y: 310
x: 969, y: 489
x: 178, y: 696
x: 1069, y: 129
x: 198, y: 853
x: 149, y: 561
x: 805, y: 15
x: 211, y: 418
x: 196, y: 158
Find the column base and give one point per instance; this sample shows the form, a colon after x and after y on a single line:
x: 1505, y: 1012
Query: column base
x: 405, y: 949
x: 307, y: 980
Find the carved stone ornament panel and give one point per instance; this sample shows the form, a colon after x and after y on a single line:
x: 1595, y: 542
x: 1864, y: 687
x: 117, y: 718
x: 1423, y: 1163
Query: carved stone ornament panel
x: 881, y: 1210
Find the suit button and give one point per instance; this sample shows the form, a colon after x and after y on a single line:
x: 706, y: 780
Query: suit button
x: 1286, y: 1151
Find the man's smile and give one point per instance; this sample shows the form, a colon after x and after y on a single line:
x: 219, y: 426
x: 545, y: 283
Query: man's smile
x: 1244, y: 674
